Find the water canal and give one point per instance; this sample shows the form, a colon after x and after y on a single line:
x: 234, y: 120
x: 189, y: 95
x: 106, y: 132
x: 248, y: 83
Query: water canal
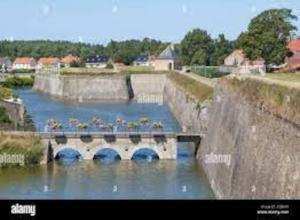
x: 104, y: 178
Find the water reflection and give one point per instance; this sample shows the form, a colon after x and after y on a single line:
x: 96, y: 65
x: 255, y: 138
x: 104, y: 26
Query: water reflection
x: 107, y: 155
x: 136, y: 179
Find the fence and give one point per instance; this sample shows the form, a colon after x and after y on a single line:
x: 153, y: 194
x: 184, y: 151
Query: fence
x: 208, y: 71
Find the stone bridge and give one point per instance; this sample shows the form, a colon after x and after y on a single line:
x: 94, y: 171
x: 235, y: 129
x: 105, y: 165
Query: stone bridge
x: 125, y: 144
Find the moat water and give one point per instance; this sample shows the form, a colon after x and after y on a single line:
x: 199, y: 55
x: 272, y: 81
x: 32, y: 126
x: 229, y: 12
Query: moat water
x: 105, y: 178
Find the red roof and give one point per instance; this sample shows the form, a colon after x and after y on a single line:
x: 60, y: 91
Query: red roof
x: 69, y: 59
x: 24, y: 60
x: 294, y: 45
x: 294, y: 61
x: 49, y: 60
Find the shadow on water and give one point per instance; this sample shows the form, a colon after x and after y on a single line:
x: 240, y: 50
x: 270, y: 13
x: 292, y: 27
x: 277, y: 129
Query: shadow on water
x: 68, y: 157
x: 145, y: 155
x: 107, y: 156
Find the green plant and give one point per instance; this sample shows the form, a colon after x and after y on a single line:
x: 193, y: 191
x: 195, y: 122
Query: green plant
x: 16, y: 71
x: 27, y: 145
x: 19, y: 82
x: 5, y: 93
x: 4, y: 118
x: 109, y: 66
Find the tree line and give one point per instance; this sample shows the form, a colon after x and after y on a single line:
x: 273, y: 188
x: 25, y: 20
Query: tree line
x: 266, y: 37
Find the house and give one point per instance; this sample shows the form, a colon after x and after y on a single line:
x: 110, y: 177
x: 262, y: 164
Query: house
x: 98, y: 61
x: 68, y: 60
x: 144, y: 60
x: 236, y: 58
x: 167, y: 60
x: 27, y: 63
x: 242, y: 65
x: 293, y: 58
x: 49, y: 63
x: 5, y: 64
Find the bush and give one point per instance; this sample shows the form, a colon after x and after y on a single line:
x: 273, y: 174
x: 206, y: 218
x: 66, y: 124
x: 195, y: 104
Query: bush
x: 29, y: 146
x: 77, y: 64
x: 4, y: 119
x: 23, y: 71
x: 5, y: 93
x: 109, y: 66
x: 18, y: 82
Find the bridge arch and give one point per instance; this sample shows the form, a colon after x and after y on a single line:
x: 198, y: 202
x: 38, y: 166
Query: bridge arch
x: 152, y: 151
x: 96, y: 150
x: 58, y: 150
x: 107, y: 152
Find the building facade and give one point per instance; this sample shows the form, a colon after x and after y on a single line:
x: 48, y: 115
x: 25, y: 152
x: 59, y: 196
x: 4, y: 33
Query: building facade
x: 167, y: 60
x: 27, y: 63
x: 52, y: 63
x: 68, y: 60
x: 240, y: 64
x: 144, y: 60
x: 293, y: 58
x: 98, y: 61
x: 5, y: 64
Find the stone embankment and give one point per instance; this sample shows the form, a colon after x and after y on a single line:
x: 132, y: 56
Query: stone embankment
x: 252, y: 146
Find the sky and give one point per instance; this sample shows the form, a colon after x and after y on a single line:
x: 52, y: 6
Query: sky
x: 99, y: 21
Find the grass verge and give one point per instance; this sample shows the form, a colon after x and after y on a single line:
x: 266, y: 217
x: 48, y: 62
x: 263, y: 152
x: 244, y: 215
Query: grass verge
x: 27, y: 145
x: 198, y: 90
x: 282, y: 100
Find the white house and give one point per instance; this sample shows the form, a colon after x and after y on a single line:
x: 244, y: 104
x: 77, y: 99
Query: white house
x: 98, y: 61
x: 49, y: 63
x: 242, y: 65
x: 28, y: 63
x: 167, y: 60
x: 144, y: 60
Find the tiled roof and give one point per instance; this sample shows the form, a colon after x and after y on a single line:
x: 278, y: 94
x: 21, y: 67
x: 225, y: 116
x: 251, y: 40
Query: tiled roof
x: 49, y: 60
x: 69, y: 59
x: 294, y: 45
x: 24, y: 60
x: 168, y: 54
x: 5, y: 60
x: 238, y: 52
x: 142, y: 58
x: 98, y: 59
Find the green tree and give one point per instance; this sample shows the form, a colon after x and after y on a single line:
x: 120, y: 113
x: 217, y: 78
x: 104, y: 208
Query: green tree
x: 194, y: 41
x: 267, y: 36
x: 222, y: 48
x: 200, y: 58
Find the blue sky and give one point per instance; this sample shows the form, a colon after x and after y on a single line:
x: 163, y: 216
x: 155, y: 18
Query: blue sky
x: 98, y: 21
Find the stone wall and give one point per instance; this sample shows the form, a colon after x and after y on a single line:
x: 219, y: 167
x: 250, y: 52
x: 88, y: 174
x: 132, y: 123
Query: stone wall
x: 15, y: 111
x: 148, y: 87
x: 264, y: 150
x: 191, y: 114
x: 83, y: 88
